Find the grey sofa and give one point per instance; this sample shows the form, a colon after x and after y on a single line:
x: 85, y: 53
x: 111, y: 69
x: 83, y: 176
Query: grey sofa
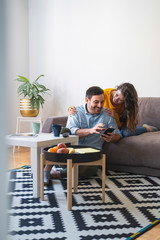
x: 137, y: 154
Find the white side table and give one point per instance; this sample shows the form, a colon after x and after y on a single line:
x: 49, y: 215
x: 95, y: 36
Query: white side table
x: 35, y: 144
x: 20, y: 120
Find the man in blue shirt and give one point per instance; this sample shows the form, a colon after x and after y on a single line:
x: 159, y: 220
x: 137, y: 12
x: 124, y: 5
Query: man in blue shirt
x: 89, y: 122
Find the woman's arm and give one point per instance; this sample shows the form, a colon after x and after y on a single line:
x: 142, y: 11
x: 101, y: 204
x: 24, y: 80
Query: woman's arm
x: 115, y: 115
x: 111, y: 112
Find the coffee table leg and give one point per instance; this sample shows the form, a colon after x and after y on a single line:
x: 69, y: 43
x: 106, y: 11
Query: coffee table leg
x: 75, y: 167
x: 69, y: 184
x: 42, y: 176
x: 103, y: 176
x: 35, y: 167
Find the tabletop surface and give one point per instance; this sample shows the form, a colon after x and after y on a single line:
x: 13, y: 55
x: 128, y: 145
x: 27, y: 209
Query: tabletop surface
x: 40, y: 139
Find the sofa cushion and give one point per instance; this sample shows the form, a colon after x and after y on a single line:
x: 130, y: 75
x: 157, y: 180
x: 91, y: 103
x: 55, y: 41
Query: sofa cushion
x: 149, y: 111
x: 141, y: 150
x: 47, y: 127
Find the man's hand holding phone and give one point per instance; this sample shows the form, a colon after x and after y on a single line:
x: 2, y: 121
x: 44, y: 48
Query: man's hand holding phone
x: 108, y: 135
x: 108, y: 130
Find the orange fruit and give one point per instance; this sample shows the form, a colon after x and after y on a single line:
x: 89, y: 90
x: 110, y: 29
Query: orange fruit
x: 53, y: 149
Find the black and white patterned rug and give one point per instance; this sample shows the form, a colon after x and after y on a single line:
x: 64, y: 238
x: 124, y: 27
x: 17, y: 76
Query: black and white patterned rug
x: 132, y: 202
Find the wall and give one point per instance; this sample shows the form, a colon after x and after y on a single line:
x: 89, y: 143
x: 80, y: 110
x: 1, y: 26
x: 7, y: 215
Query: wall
x: 77, y: 44
x: 17, y: 44
x: 80, y: 43
x: 3, y: 123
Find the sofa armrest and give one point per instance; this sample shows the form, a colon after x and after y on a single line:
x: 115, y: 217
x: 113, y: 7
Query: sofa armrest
x: 47, y: 127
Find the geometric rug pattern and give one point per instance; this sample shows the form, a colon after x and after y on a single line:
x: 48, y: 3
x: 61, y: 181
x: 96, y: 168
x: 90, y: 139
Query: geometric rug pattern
x: 132, y: 202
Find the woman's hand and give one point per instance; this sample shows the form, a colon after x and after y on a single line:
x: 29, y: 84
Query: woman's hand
x: 111, y: 112
x: 72, y: 110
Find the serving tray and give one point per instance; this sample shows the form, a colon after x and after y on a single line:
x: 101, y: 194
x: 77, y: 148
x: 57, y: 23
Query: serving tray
x: 84, y: 156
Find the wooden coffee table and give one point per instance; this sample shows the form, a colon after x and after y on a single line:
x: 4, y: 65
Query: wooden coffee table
x: 93, y: 158
x: 36, y: 144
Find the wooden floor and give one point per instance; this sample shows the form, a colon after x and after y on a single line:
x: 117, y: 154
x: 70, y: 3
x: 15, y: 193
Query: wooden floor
x: 153, y: 234
x: 21, y: 157
x: 18, y: 158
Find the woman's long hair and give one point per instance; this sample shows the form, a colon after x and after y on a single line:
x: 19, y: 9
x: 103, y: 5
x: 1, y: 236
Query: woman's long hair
x: 130, y: 111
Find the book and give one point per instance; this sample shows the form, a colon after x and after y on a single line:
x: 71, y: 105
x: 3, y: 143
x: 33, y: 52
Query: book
x: 86, y: 150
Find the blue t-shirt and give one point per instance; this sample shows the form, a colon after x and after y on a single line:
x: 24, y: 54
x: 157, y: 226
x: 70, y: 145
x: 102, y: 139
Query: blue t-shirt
x: 82, y: 120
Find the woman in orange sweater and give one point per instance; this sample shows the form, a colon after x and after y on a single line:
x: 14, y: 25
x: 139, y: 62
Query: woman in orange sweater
x: 122, y: 104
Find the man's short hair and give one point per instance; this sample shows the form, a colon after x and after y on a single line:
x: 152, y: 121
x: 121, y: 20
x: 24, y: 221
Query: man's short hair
x: 94, y: 91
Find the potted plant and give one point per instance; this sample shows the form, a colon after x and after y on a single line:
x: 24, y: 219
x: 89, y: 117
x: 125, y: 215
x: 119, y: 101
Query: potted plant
x: 32, y: 96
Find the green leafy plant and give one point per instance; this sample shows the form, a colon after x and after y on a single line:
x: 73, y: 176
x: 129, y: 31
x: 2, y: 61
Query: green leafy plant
x: 34, y: 91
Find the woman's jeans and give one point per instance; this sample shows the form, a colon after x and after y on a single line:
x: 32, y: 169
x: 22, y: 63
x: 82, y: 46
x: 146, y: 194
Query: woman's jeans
x: 125, y: 132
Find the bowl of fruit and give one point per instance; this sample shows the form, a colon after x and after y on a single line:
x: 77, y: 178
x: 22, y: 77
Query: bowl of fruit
x: 78, y: 153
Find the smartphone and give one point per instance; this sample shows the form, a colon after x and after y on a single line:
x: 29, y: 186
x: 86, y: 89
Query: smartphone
x: 108, y: 130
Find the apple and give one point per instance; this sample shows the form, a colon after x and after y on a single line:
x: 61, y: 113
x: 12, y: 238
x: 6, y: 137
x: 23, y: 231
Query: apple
x: 63, y: 150
x: 61, y: 145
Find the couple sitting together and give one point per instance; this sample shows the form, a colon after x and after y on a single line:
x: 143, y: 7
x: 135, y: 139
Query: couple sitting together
x: 116, y: 108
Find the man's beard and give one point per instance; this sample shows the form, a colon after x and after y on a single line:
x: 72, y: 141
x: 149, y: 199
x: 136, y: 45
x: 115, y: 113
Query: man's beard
x: 93, y: 110
x: 97, y: 110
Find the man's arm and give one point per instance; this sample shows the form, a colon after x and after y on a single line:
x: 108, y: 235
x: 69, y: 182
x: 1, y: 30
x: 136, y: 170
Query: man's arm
x: 85, y: 132
x: 76, y: 127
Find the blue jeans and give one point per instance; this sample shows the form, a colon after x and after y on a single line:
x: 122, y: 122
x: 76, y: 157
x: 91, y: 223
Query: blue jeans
x: 125, y: 132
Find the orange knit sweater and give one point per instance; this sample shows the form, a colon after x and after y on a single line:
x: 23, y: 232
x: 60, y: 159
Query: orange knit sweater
x: 108, y: 104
